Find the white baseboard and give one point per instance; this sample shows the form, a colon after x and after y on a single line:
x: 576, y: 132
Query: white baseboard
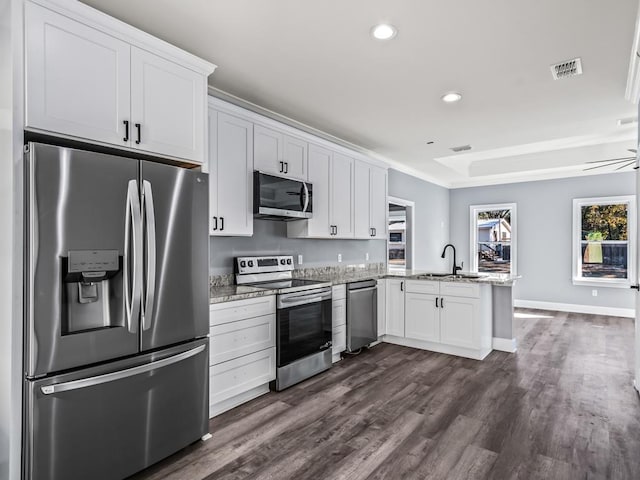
x: 575, y: 308
x: 509, y: 345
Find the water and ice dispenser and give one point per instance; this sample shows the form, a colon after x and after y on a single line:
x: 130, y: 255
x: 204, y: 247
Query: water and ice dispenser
x: 92, y: 290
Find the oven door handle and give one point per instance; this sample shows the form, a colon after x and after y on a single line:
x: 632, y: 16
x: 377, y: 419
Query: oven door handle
x: 296, y: 301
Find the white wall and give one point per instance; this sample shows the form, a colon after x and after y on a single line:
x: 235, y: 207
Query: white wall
x: 10, y: 246
x: 544, y: 223
x: 431, y: 215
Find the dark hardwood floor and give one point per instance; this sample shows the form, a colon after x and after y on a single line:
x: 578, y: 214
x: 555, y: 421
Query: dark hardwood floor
x: 562, y: 407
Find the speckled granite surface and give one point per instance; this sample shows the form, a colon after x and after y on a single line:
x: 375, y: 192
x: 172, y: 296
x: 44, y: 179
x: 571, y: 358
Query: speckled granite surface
x: 222, y: 288
x: 227, y: 293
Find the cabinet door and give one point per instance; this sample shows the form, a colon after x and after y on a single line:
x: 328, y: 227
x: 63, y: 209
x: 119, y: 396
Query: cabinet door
x: 395, y: 307
x: 378, y: 201
x: 319, y: 171
x: 268, y: 155
x: 341, y: 202
x: 422, y: 317
x: 362, y: 200
x: 295, y: 158
x: 77, y: 78
x: 459, y: 319
x: 382, y: 311
x: 231, y: 169
x: 168, y: 102
x: 339, y: 312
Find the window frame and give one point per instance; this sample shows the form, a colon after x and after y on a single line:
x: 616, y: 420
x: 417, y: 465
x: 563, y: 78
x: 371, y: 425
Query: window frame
x: 576, y: 241
x: 473, y: 217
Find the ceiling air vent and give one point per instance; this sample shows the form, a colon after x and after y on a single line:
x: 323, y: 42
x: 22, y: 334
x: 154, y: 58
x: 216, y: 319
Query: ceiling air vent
x: 569, y: 68
x: 461, y: 148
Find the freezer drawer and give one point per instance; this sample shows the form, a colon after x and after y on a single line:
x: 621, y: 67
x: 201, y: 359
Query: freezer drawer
x: 111, y: 421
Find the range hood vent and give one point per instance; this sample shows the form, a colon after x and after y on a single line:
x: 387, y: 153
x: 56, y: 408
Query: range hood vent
x: 568, y: 68
x: 461, y: 148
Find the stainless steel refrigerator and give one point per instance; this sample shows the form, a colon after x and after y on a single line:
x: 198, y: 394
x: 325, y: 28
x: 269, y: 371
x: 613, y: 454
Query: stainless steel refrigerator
x: 116, y: 313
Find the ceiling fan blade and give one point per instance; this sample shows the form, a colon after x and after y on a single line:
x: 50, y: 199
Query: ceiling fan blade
x: 607, y: 164
x: 626, y: 165
x: 611, y: 160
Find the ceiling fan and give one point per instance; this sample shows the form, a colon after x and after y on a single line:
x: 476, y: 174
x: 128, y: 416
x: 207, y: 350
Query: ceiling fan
x: 623, y: 162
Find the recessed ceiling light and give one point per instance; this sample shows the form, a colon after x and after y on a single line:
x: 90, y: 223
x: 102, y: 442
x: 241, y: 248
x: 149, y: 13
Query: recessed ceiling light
x: 451, y: 97
x: 384, y: 31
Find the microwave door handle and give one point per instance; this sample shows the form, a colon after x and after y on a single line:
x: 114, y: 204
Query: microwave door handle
x: 150, y: 223
x: 306, y: 196
x: 132, y: 233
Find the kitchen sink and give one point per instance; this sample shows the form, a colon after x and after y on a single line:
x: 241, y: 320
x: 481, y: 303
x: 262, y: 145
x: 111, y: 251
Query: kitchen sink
x: 433, y: 276
x: 465, y: 275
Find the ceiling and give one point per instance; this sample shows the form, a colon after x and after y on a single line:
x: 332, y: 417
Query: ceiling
x: 316, y: 63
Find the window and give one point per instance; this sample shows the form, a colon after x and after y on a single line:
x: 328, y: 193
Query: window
x: 493, y: 238
x: 604, y: 241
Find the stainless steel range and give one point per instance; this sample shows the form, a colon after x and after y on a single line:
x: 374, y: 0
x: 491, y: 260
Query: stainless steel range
x: 303, y: 317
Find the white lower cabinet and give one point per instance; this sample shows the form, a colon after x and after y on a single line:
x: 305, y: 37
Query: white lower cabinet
x: 242, y: 351
x: 447, y: 317
x: 339, y: 320
x: 460, y: 321
x: 421, y: 317
x: 395, y: 307
x: 382, y: 307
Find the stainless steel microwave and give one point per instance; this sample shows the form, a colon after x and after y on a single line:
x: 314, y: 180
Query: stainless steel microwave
x: 280, y: 198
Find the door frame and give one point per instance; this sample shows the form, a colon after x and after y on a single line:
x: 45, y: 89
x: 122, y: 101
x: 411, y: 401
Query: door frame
x: 409, y: 231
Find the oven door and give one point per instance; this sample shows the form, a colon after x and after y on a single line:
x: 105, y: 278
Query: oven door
x: 303, y: 324
x: 281, y: 197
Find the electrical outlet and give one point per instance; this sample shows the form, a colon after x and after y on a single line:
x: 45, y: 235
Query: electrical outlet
x: 366, y: 256
x: 594, y: 293
x: 299, y: 259
x: 339, y: 257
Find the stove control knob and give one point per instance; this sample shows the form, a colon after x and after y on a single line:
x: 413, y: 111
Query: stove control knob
x: 282, y: 261
x: 243, y: 264
x: 250, y: 263
x: 288, y: 261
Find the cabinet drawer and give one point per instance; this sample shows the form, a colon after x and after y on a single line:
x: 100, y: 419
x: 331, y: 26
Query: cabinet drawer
x: 422, y: 286
x: 235, y: 339
x: 339, y: 292
x: 339, y: 342
x: 339, y: 316
x: 460, y: 289
x: 234, y: 377
x: 226, y: 312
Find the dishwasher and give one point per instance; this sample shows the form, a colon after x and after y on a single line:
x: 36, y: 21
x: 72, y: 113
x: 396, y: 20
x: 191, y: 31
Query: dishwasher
x: 362, y: 314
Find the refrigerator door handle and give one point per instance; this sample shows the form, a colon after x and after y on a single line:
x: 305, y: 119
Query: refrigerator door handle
x: 113, y: 376
x: 150, y: 224
x: 132, y: 233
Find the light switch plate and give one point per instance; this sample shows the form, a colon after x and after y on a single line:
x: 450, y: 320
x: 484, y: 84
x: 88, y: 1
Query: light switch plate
x: 339, y: 257
x: 299, y: 259
x: 366, y: 256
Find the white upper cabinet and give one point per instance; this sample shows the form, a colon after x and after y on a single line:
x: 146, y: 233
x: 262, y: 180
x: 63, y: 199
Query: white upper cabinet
x: 362, y: 199
x: 331, y: 176
x: 370, y: 200
x: 168, y: 102
x: 341, y: 201
x: 230, y: 175
x: 77, y: 78
x: 279, y: 154
x: 319, y: 177
x: 378, y: 201
x: 96, y: 79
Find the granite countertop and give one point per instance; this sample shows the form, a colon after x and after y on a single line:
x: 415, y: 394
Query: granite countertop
x: 348, y: 277
x: 227, y: 293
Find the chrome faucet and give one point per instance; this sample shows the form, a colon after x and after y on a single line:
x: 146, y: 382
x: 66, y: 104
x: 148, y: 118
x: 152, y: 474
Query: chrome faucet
x: 456, y: 268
